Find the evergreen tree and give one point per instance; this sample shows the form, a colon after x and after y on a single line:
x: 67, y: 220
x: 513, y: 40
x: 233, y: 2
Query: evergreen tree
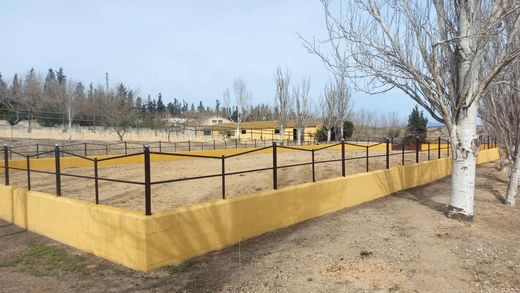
x: 60, y: 76
x: 217, y: 107
x: 160, y: 105
x: 201, y: 108
x: 417, y: 126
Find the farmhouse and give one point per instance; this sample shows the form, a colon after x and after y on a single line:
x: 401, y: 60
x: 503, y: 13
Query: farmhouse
x: 265, y: 130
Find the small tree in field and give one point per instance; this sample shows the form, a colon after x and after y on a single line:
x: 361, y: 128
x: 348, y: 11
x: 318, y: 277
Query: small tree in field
x: 283, y: 103
x: 241, y: 108
x: 417, y: 126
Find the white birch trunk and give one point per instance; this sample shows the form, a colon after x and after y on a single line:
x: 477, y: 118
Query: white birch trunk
x: 512, y: 186
x: 238, y: 132
x: 328, y: 135
x: 299, y: 135
x: 282, y: 134
x: 464, y: 142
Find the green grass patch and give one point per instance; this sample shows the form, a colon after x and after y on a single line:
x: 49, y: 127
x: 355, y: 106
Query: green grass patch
x: 181, y: 268
x: 43, y: 260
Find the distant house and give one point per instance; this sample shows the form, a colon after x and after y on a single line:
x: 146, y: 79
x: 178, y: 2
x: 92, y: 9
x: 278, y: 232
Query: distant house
x: 175, y: 120
x: 214, y: 120
x: 265, y: 130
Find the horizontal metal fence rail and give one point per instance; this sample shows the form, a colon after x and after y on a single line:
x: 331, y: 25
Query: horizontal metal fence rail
x: 145, y: 151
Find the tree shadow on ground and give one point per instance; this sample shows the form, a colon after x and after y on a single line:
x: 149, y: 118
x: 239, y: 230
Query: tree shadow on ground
x: 428, y: 195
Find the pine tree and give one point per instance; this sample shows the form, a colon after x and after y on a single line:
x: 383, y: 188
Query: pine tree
x: 417, y: 126
x: 60, y: 76
x: 160, y: 105
x: 217, y: 107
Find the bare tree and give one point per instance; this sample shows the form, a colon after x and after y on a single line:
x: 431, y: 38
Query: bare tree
x: 282, y: 100
x: 342, y: 103
x: 328, y: 109
x: 301, y: 101
x: 239, y: 111
x: 500, y: 114
x: 432, y: 51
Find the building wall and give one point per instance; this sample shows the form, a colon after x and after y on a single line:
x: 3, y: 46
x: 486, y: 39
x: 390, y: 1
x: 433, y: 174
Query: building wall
x: 268, y: 133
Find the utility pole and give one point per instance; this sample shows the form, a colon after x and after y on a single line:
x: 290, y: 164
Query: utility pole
x: 106, y: 80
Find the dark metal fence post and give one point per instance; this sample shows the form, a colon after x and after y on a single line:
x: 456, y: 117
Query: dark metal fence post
x: 343, y: 173
x: 96, y: 181
x: 160, y: 146
x: 487, y: 146
x: 255, y: 143
x: 214, y: 145
x: 106, y: 149
x: 189, y: 145
x: 126, y: 148
x: 223, y: 177
x: 202, y: 146
x: 37, y: 151
x: 448, y: 148
x: 236, y: 143
x: 417, y: 149
x: 367, y: 158
x: 85, y: 146
x: 28, y: 172
x: 313, y: 170
x: 147, y: 182
x: 275, y: 168
x: 6, y: 164
x: 58, y: 169
x: 428, y: 150
x: 439, y: 147
x: 387, y: 153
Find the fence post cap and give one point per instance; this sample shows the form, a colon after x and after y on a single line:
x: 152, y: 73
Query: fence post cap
x: 56, y: 144
x: 146, y: 146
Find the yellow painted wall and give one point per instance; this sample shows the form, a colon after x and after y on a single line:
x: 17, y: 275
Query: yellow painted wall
x: 147, y: 242
x: 112, y: 233
x: 444, y: 146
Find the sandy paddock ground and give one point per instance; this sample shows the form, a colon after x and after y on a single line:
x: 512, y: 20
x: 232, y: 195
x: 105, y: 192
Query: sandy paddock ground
x: 167, y: 196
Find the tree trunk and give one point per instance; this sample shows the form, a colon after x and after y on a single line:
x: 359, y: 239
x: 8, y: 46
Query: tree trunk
x: 282, y: 134
x: 299, y: 135
x: 512, y: 186
x: 238, y: 132
x: 465, y: 145
x: 328, y: 135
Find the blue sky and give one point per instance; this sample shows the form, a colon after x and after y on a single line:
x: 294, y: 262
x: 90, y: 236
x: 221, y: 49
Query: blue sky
x: 185, y: 49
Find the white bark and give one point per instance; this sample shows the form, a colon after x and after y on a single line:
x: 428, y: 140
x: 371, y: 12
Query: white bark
x: 512, y: 186
x: 329, y: 131
x: 464, y: 143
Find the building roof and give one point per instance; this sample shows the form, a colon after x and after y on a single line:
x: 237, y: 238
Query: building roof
x: 271, y: 124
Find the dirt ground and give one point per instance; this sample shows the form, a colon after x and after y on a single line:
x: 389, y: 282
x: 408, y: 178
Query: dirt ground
x: 167, y: 196
x: 400, y: 243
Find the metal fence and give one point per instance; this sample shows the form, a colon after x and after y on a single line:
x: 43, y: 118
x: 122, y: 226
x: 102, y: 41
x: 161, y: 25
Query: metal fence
x: 433, y: 149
